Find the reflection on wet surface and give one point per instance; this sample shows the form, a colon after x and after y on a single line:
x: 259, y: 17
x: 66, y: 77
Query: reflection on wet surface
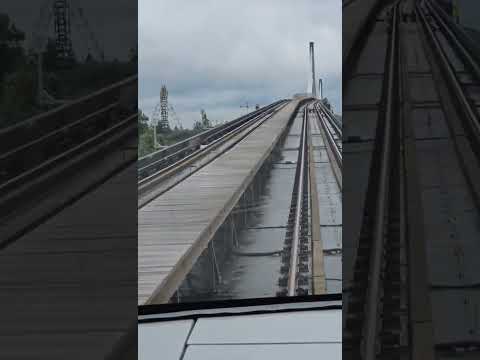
x: 246, y: 260
x: 253, y: 269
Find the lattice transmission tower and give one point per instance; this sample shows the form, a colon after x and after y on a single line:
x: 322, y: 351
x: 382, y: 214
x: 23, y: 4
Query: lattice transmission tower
x: 160, y: 115
x: 164, y: 109
x: 63, y: 31
x: 63, y: 15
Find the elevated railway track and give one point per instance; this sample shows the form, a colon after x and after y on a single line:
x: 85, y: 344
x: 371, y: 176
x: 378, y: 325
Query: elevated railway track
x: 67, y: 229
x: 412, y: 147
x: 192, y: 154
x: 152, y: 163
x: 214, y: 238
x: 37, y: 154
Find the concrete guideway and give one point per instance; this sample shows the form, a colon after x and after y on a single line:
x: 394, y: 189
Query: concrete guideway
x: 176, y: 227
x: 356, y: 15
x: 326, y: 193
x: 54, y: 292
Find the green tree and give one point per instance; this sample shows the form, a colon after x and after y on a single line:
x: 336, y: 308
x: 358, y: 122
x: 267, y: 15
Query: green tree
x: 50, y: 55
x: 18, y: 97
x: 17, y: 77
x: 142, y: 122
x: 11, y: 39
x: 198, y: 126
x: 145, y: 135
x: 145, y: 143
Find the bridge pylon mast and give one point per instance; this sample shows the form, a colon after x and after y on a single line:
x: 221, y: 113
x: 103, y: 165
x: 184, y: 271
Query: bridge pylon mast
x: 312, y: 62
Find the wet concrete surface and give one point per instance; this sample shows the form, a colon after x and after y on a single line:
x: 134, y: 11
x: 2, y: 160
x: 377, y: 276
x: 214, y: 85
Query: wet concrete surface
x: 250, y: 263
x: 330, y: 208
x: 245, y: 273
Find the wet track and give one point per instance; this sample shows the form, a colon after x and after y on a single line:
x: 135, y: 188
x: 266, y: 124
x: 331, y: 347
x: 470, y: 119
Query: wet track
x: 412, y: 213
x: 264, y: 246
x: 247, y: 273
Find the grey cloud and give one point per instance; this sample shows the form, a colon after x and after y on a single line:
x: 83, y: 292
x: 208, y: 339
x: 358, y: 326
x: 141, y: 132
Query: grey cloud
x: 219, y: 54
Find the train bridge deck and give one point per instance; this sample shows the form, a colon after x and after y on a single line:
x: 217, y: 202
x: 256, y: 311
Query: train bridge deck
x: 175, y: 228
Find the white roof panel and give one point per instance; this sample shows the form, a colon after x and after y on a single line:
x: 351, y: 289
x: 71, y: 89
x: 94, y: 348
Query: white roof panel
x: 318, y: 326
x: 163, y: 340
x: 264, y: 351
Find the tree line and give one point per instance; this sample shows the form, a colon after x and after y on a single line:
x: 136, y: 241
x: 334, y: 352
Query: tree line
x: 165, y: 137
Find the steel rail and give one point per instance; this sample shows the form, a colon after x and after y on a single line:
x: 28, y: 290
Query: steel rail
x: 331, y: 141
x: 465, y: 105
x: 19, y: 197
x: 462, y: 36
x: 42, y: 124
x: 32, y: 142
x: 373, y: 295
x: 198, y: 151
x: 20, y: 159
x: 454, y: 40
x: 331, y: 118
x: 174, y: 147
x: 164, y: 157
x: 147, y: 184
x: 292, y: 275
x: 56, y: 160
x: 41, y: 152
x: 334, y: 146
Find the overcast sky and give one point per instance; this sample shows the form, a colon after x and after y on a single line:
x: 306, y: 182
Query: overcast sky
x: 219, y: 54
